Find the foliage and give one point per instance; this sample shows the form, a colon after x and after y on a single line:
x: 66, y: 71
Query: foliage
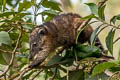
x: 78, y: 62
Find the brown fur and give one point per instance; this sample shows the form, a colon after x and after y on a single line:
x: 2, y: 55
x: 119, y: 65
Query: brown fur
x: 60, y: 31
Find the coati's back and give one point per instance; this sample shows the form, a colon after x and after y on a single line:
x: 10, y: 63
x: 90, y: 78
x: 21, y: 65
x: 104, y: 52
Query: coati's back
x: 60, y: 31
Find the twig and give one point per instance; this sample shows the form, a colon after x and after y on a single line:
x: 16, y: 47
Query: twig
x: 24, y: 23
x: 13, y: 53
x: 116, y: 40
x: 101, y: 3
x: 5, y: 51
x: 17, y: 74
x: 63, y: 69
x: 109, y: 24
x: 53, y: 76
x: 23, y: 72
x: 14, y: 76
x: 67, y: 74
x: 10, y: 29
x: 46, y: 75
x: 36, y: 74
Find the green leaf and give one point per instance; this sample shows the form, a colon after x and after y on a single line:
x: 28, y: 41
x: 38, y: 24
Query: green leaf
x: 93, y: 35
x: 114, y: 18
x: 48, y: 18
x: 54, y: 60
x: 101, y: 67
x: 4, y: 5
x: 4, y: 38
x: 93, y: 7
x: 49, y: 12
x: 19, y: 16
x: 101, y: 12
x: 24, y: 6
x: 75, y: 75
x: 2, y: 61
x: 101, y: 76
x: 84, y: 51
x: 109, y: 40
x: 0, y: 5
x: 51, y: 5
x: 0, y: 2
x: 6, y: 14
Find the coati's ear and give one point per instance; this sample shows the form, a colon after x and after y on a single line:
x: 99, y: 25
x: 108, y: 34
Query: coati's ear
x: 42, y: 31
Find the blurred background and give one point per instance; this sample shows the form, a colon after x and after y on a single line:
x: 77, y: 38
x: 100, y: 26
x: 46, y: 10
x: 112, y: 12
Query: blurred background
x: 74, y: 6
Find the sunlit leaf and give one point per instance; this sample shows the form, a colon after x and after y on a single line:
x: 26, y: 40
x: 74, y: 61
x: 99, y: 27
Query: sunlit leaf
x: 24, y: 6
x: 0, y: 5
x: 6, y: 14
x: 4, y: 38
x: 93, y: 7
x: 114, y: 18
x: 4, y: 5
x: 101, y: 12
x: 48, y: 18
x: 101, y: 67
x: 109, y: 40
x: 51, y: 4
x: 19, y: 16
x: 93, y: 35
x: 49, y: 12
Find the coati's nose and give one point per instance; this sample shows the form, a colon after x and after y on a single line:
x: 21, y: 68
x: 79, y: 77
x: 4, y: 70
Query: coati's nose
x: 34, y: 44
x: 32, y: 51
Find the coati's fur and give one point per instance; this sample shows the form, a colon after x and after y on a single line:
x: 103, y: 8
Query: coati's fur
x: 60, y: 31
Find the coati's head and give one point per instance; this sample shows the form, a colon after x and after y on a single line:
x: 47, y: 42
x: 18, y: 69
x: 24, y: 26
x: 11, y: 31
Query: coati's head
x: 41, y: 44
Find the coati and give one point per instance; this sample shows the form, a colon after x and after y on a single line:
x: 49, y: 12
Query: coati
x: 60, y: 31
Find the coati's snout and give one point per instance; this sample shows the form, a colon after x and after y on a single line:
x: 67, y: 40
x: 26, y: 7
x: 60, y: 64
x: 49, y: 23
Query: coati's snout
x: 40, y: 45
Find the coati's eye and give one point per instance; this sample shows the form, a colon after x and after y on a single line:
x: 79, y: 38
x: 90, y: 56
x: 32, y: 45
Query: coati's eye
x: 34, y: 44
x: 41, y: 32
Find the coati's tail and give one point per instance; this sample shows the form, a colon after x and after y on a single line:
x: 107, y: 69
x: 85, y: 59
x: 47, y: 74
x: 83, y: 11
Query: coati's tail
x: 99, y: 45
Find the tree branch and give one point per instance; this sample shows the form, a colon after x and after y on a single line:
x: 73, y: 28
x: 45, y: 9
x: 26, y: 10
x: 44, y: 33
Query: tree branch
x: 36, y: 74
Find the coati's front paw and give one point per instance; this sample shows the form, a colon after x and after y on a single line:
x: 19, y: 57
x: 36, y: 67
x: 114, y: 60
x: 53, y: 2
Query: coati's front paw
x: 36, y: 62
